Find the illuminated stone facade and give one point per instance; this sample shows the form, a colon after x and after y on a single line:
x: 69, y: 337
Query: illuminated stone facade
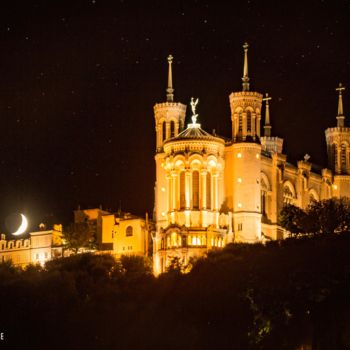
x: 118, y: 234
x: 211, y: 191
x: 37, y: 248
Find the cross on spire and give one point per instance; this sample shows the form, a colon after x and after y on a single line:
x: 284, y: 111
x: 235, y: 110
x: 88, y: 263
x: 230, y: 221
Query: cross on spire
x: 170, y: 90
x: 267, y: 127
x: 340, y: 116
x: 245, y: 78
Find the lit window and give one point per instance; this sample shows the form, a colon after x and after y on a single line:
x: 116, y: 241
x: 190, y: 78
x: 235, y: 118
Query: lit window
x: 194, y: 240
x: 208, y: 192
x: 182, y: 190
x: 240, y: 227
x: 164, y: 131
x: 129, y: 231
x: 172, y: 129
x: 195, y: 189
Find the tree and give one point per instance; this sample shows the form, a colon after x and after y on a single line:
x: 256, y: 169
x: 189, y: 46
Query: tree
x: 323, y: 217
x: 293, y: 219
x: 330, y: 215
x: 79, y: 235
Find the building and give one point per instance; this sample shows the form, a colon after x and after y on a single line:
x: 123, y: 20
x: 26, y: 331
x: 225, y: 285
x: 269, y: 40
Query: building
x: 117, y: 233
x: 210, y: 191
x: 37, y: 248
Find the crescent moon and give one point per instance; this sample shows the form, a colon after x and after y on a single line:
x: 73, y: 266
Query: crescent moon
x: 23, y: 227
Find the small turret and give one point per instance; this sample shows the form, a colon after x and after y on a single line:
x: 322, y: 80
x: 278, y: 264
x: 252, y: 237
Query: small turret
x: 271, y: 144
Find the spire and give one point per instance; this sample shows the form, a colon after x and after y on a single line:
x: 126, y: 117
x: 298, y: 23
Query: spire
x: 245, y: 78
x: 267, y: 127
x: 340, y: 116
x: 170, y: 90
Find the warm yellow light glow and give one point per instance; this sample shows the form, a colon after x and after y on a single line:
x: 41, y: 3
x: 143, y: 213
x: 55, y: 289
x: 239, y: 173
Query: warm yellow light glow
x: 239, y: 180
x: 163, y: 214
x: 239, y: 155
x: 257, y: 155
x: 239, y: 205
x: 163, y: 189
x: 335, y: 187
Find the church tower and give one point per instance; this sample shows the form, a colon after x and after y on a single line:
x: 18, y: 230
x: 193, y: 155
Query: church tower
x: 169, y: 121
x: 243, y: 160
x: 169, y: 116
x: 338, y: 150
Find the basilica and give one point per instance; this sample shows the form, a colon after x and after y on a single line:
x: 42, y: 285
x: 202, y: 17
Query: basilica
x: 211, y: 191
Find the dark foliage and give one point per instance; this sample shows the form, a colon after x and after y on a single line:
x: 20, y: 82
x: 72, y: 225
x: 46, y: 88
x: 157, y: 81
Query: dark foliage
x: 321, y: 217
x: 275, y: 296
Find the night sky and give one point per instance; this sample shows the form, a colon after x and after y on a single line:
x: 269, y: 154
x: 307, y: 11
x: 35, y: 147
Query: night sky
x: 78, y: 81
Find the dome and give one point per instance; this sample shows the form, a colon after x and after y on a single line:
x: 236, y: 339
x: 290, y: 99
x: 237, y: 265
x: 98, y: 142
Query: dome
x: 195, y: 132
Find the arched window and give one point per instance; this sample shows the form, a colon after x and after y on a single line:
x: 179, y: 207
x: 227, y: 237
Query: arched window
x: 263, y: 196
x: 249, y: 122
x: 287, y: 195
x: 129, y: 231
x: 343, y: 157
x: 172, y: 128
x: 208, y: 190
x: 240, y: 122
x: 164, y: 131
x: 195, y: 190
x: 182, y: 191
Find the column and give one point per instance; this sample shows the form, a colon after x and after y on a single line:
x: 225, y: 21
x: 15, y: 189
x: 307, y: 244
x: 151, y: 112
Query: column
x: 258, y: 118
x: 244, y: 131
x: 167, y: 130
x: 169, y: 191
x: 215, y: 188
x: 204, y: 189
x: 174, y: 189
x: 253, y: 116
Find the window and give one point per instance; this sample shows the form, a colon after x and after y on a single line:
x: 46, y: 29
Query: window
x: 343, y: 157
x: 163, y: 131
x: 172, y: 129
x: 287, y: 195
x: 208, y: 191
x: 37, y: 256
x: 240, y: 227
x: 240, y: 123
x: 249, y: 122
x: 263, y: 196
x: 129, y: 231
x: 195, y: 189
x: 182, y: 191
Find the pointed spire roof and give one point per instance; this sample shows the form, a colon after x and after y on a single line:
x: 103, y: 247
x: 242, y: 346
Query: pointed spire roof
x: 340, y: 116
x: 267, y: 126
x: 245, y: 78
x: 170, y: 90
